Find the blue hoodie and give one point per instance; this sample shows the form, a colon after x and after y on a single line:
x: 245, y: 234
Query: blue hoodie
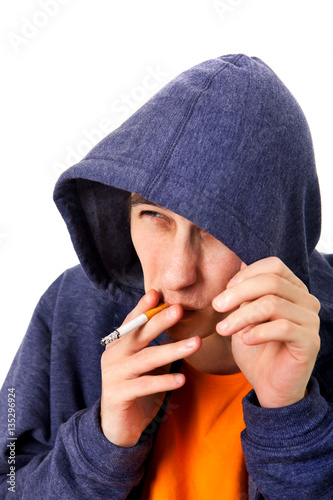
x: 227, y: 146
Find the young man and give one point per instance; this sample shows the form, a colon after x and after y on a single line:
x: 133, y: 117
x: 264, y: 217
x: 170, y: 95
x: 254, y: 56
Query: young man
x: 206, y: 199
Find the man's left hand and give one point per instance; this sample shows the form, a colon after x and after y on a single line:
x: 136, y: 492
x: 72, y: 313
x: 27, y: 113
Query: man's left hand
x: 274, y: 325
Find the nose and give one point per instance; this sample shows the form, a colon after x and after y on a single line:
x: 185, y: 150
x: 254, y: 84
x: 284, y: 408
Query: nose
x: 180, y: 269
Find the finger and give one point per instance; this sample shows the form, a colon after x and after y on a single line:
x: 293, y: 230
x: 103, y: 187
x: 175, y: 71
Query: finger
x: 260, y: 285
x: 281, y: 330
x: 272, y: 265
x: 154, y: 357
x: 151, y: 384
x: 148, y: 301
x: 141, y: 337
x: 267, y: 308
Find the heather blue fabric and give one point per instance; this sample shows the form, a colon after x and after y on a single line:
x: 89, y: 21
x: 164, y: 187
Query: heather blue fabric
x: 227, y: 146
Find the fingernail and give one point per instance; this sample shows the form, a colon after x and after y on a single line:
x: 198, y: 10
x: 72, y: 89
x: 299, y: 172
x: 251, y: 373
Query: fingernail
x: 223, y: 326
x: 179, y: 378
x: 171, y: 312
x: 220, y: 301
x: 191, y: 342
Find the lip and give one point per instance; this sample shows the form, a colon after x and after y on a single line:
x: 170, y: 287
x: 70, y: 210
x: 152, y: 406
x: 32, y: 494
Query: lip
x: 185, y: 308
x: 188, y: 310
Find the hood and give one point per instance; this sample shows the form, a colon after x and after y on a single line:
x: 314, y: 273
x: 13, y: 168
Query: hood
x: 225, y: 145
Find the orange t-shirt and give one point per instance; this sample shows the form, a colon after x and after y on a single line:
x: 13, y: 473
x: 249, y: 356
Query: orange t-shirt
x: 197, y: 452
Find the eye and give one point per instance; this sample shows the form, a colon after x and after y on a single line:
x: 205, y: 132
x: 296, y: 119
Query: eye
x: 157, y: 218
x: 153, y: 214
x: 150, y: 213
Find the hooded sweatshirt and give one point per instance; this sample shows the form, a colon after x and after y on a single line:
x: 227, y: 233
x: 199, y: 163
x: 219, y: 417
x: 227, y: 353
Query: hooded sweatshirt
x: 227, y: 146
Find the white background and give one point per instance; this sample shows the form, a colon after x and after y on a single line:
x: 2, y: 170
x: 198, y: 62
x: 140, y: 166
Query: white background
x: 68, y: 68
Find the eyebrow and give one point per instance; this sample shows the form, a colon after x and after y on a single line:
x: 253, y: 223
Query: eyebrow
x: 137, y: 199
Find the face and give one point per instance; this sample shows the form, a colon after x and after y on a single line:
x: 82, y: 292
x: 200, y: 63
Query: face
x: 185, y: 264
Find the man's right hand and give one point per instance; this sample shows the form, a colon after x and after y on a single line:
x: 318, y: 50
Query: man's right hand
x: 135, y: 377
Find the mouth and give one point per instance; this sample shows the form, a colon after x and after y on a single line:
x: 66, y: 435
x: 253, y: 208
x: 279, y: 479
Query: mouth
x: 188, y: 310
x: 185, y: 307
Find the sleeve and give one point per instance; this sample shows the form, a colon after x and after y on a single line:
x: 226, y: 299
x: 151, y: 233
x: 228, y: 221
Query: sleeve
x: 289, y: 451
x: 73, y: 461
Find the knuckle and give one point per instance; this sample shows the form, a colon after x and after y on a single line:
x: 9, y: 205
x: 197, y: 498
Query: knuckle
x: 105, y: 358
x: 285, y: 326
x: 145, y: 354
x: 315, y: 303
x: 313, y: 343
x: 316, y: 322
x: 317, y: 343
x: 112, y: 366
x: 109, y: 353
x: 144, y: 384
x: 269, y: 305
x: 277, y: 264
x: 274, y: 282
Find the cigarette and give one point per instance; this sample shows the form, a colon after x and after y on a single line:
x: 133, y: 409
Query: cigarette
x: 133, y: 324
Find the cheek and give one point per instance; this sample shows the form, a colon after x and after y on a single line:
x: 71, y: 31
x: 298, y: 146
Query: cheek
x: 149, y: 257
x: 232, y: 264
x: 221, y: 268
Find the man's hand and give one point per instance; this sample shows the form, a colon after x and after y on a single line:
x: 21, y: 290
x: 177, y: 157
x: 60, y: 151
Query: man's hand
x: 274, y: 325
x: 135, y: 377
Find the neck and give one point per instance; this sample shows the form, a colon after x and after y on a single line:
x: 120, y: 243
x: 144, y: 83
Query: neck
x: 215, y: 356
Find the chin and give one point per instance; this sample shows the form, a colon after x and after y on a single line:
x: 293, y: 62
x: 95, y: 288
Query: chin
x: 184, y: 330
